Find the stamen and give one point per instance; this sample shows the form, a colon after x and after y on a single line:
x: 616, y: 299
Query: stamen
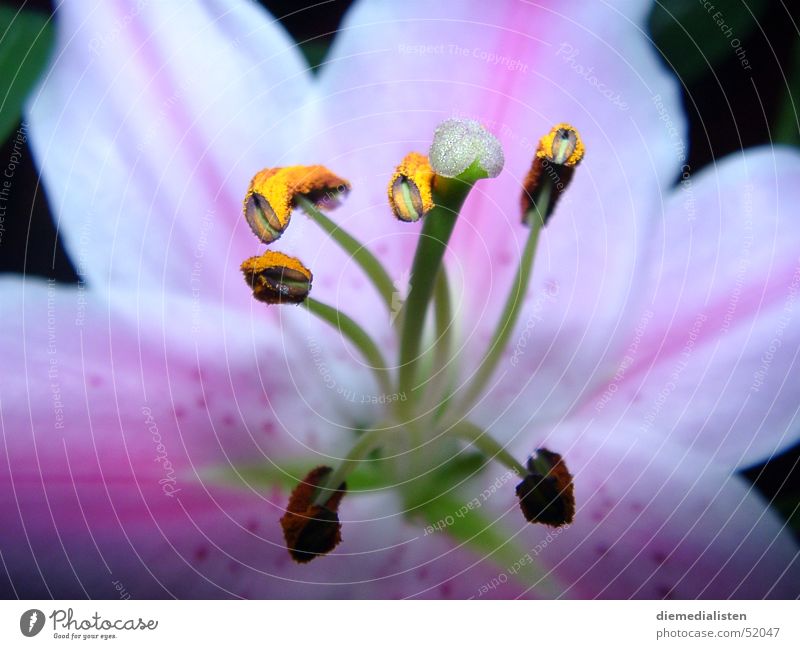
x: 273, y: 192
x: 512, y: 307
x: 538, y: 199
x: 373, y: 268
x: 546, y: 494
x: 312, y: 529
x: 277, y: 278
x: 366, y: 444
x: 357, y: 336
x: 485, y: 443
x: 557, y: 155
x: 410, y: 188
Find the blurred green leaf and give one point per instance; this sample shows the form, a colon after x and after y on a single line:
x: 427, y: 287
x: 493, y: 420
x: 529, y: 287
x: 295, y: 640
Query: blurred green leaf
x: 693, y: 38
x: 787, y: 123
x: 315, y: 52
x: 789, y: 507
x: 26, y: 38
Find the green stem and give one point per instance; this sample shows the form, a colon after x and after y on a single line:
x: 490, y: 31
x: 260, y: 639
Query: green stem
x: 486, y: 444
x: 357, y: 336
x: 449, y: 195
x: 442, y: 353
x: 514, y: 302
x: 361, y: 254
x: 443, y: 310
x: 367, y: 443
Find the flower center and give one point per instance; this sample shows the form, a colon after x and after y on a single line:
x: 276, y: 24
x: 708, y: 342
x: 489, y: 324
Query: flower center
x: 420, y: 434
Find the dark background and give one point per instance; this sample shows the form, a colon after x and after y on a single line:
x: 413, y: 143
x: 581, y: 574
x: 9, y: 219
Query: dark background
x: 728, y: 108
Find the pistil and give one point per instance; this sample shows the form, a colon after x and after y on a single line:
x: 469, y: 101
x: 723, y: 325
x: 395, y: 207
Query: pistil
x: 557, y: 155
x: 449, y: 196
x: 462, y: 153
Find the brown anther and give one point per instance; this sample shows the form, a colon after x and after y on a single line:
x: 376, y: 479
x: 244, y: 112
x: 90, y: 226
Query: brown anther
x: 546, y: 495
x: 312, y: 530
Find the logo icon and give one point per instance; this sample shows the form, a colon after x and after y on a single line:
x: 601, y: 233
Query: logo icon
x: 31, y: 622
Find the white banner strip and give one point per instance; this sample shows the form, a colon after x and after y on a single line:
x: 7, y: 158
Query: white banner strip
x: 334, y: 624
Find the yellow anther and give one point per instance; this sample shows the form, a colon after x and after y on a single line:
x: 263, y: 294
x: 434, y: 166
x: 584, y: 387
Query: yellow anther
x: 557, y: 155
x: 410, y: 188
x: 562, y: 145
x: 270, y: 198
x: 277, y: 278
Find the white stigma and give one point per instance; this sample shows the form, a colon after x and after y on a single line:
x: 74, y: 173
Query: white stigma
x: 457, y: 143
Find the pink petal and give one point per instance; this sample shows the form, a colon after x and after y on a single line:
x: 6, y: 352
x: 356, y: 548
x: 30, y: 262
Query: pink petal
x: 384, y: 92
x: 147, y: 129
x: 714, y: 366
x: 101, y: 424
x: 655, y: 520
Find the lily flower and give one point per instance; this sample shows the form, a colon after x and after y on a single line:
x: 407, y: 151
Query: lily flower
x: 553, y: 408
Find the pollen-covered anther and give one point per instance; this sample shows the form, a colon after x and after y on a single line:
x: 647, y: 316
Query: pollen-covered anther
x: 271, y: 196
x: 277, y: 278
x: 557, y: 155
x: 410, y: 188
x: 546, y: 495
x: 312, y: 530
